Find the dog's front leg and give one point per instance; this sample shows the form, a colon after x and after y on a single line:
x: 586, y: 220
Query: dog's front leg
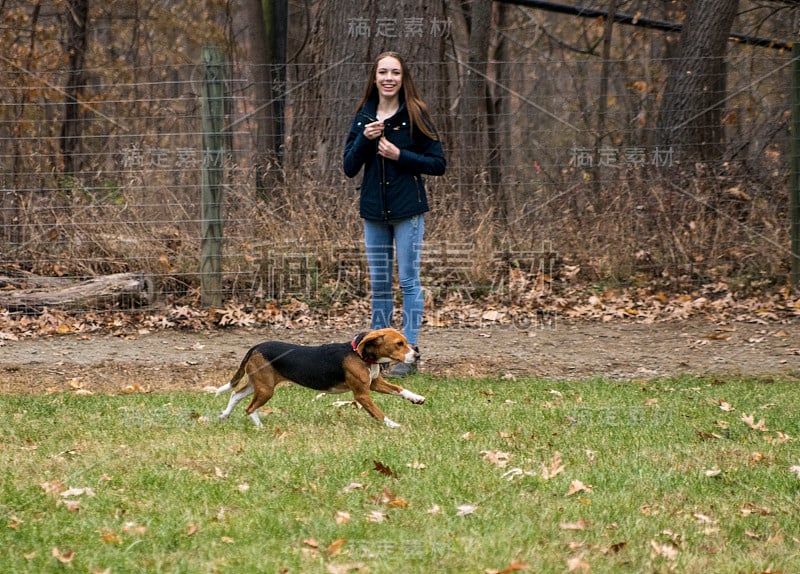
x: 361, y: 395
x: 381, y: 385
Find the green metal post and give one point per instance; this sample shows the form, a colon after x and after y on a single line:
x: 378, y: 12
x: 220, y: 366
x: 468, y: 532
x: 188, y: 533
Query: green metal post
x: 794, y: 190
x: 213, y: 173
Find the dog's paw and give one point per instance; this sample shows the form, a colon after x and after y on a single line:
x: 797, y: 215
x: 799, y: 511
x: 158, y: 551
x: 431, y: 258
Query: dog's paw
x: 390, y: 423
x: 413, y: 397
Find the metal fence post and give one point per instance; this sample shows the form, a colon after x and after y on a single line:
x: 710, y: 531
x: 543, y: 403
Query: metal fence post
x: 794, y: 185
x: 213, y: 173
x: 794, y: 180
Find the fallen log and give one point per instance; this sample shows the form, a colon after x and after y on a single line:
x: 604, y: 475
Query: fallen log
x: 117, y: 291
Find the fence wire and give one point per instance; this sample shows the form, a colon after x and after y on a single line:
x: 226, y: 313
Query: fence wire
x: 547, y: 185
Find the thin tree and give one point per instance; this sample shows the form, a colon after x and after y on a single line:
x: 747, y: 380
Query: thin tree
x: 77, y: 16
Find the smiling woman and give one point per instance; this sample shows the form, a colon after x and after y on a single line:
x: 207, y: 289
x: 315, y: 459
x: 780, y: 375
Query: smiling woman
x: 392, y: 137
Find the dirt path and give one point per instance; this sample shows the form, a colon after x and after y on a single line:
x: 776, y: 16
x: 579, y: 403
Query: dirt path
x: 195, y: 360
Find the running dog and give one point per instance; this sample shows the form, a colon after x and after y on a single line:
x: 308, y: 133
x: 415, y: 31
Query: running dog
x: 333, y: 368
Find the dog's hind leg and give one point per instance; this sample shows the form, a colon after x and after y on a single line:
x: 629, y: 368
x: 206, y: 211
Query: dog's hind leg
x: 235, y: 400
x: 262, y: 395
x: 263, y: 380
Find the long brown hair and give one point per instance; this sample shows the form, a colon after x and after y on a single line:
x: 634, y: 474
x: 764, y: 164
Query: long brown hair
x: 417, y: 110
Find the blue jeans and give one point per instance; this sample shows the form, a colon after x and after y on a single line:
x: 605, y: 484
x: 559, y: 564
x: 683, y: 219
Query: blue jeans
x: 380, y: 240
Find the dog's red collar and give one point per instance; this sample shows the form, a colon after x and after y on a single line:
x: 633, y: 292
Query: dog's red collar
x: 360, y: 356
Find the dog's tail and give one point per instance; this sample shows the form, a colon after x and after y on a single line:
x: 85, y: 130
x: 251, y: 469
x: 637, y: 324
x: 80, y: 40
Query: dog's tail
x: 237, y: 376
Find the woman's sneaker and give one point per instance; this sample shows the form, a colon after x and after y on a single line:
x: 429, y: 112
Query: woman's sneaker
x: 402, y: 369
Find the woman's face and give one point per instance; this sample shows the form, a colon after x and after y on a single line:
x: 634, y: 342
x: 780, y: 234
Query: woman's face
x: 389, y: 77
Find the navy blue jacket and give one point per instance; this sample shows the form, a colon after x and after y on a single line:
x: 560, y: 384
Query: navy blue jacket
x: 392, y: 190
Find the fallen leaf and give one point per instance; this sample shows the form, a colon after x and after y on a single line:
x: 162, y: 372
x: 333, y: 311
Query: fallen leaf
x: 377, y: 516
x: 133, y: 528
x: 554, y: 468
x: 77, y: 492
x: 398, y: 502
x: 346, y: 568
x: 703, y: 518
x: 513, y: 473
x: 342, y: 517
x: 71, y: 505
x: 577, y: 486
x: 109, y: 537
x: 466, y: 509
x: 749, y: 420
x: 795, y: 469
x: 384, y: 470
x: 496, y: 457
x: 335, y: 547
x: 577, y: 564
x: 311, y: 542
x: 63, y: 557
x: 192, y: 530
x: 515, y: 566
x: 750, y: 508
x: 385, y: 497
x: 713, y: 472
x: 352, y: 486
x: 14, y: 522
x: 52, y: 487
x: 668, y: 551
x: 617, y: 546
x: 723, y: 405
x: 581, y: 524
x: 134, y: 388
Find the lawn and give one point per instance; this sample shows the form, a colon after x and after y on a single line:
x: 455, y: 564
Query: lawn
x: 674, y: 475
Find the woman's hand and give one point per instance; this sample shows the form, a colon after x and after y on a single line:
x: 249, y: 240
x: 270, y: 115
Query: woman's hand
x: 373, y: 130
x: 388, y: 150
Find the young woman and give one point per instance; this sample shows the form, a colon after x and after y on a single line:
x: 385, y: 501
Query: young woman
x: 392, y: 137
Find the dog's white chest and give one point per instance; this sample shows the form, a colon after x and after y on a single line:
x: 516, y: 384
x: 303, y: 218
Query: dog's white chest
x: 374, y: 371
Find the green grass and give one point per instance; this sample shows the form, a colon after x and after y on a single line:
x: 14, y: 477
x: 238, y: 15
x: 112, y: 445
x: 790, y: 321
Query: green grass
x: 176, y: 491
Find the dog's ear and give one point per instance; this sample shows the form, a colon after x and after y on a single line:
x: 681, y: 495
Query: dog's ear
x: 370, y: 341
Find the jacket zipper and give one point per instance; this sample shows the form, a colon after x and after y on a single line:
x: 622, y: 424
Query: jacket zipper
x: 383, y: 188
x: 384, y: 194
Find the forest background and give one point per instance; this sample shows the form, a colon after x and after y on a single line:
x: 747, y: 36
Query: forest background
x: 639, y: 147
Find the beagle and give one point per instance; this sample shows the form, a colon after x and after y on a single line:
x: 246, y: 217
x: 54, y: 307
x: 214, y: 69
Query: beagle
x: 333, y: 368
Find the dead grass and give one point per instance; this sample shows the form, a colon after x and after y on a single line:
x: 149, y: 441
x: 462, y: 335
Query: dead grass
x: 678, y: 232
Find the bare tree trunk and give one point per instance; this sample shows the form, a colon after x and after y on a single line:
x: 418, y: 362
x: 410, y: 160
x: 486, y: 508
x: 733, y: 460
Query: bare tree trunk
x: 602, y: 100
x: 498, y: 113
x: 77, y: 22
x: 472, y: 106
x: 259, y: 51
x: 691, y: 110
